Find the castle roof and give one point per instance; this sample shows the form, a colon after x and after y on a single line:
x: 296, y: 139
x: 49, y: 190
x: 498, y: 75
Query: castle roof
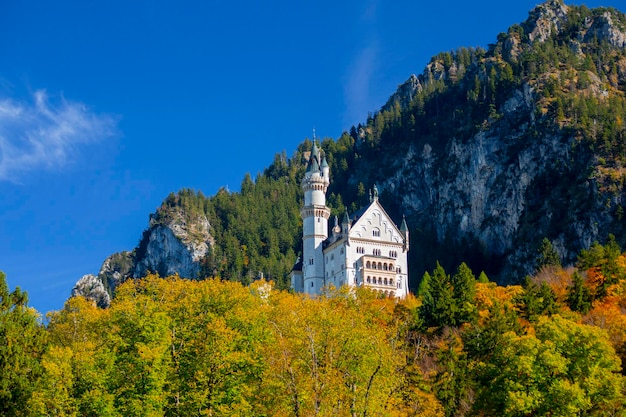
x: 403, y: 226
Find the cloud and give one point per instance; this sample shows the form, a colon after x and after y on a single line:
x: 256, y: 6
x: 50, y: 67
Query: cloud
x: 39, y: 134
x: 361, y: 71
x: 357, y: 93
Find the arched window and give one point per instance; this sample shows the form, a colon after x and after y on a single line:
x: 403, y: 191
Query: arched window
x: 380, y: 266
x: 385, y: 266
x: 385, y: 281
x: 391, y: 281
x: 368, y: 264
x: 376, y: 232
x: 380, y: 281
x: 368, y: 280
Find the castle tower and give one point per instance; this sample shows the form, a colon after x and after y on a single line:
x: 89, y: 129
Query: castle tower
x: 315, y: 216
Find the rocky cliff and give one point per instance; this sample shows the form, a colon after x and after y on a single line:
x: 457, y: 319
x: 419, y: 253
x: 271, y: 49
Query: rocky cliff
x: 512, y: 160
x: 175, y: 242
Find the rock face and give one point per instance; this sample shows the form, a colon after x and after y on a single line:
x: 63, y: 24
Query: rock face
x: 522, y: 176
x: 486, y: 189
x: 116, y: 269
x: 405, y: 93
x: 92, y: 288
x: 171, y: 250
x: 546, y: 19
x: 174, y: 243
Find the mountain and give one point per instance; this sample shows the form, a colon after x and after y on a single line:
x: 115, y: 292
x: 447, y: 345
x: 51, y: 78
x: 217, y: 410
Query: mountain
x: 486, y: 152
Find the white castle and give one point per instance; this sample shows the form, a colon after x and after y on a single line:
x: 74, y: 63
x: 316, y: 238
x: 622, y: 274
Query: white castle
x: 366, y: 250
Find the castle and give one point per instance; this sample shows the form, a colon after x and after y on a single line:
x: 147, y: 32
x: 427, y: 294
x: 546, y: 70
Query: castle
x: 366, y: 250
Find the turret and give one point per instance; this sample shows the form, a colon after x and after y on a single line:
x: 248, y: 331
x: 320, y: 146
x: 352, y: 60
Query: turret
x: 325, y: 171
x: 345, y: 223
x: 315, y: 216
x: 405, y: 231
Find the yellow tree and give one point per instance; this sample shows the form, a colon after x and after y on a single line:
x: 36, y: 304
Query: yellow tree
x: 334, y: 355
x: 140, y: 339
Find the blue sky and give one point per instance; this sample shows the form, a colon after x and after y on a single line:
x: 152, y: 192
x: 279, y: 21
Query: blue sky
x: 108, y: 106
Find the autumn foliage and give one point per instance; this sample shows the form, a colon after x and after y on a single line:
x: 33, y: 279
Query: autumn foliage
x: 464, y: 347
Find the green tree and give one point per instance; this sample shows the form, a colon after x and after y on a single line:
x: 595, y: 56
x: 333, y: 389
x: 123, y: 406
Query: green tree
x: 536, y: 300
x: 464, y: 291
x: 22, y: 343
x: 578, y: 295
x: 565, y: 369
x: 547, y: 256
x: 438, y: 307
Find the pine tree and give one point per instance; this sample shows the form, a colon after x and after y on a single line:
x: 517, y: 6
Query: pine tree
x: 578, y: 295
x: 438, y: 308
x: 464, y: 291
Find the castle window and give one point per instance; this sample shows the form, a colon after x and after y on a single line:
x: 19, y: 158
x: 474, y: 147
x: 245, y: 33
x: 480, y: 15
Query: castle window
x: 310, y: 261
x: 380, y: 266
x: 385, y: 267
x: 385, y: 281
x: 393, y: 254
x: 376, y: 252
x: 399, y: 270
x: 368, y: 264
x: 312, y: 284
x: 368, y: 280
x: 376, y: 232
x: 391, y: 281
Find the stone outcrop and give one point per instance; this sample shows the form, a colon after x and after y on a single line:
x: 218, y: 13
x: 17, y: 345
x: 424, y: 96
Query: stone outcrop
x: 92, y: 288
x: 170, y: 249
x: 173, y: 244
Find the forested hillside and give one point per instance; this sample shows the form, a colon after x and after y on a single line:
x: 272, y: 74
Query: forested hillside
x: 464, y: 346
x: 487, y: 152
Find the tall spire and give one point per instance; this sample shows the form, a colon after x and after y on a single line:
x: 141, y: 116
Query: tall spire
x: 403, y: 226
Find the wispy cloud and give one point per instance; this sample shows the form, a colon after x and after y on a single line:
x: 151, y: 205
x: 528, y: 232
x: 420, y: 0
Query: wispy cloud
x: 357, y: 89
x: 40, y: 134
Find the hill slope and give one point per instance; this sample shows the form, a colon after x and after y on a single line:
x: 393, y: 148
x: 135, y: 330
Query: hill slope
x: 486, y: 152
